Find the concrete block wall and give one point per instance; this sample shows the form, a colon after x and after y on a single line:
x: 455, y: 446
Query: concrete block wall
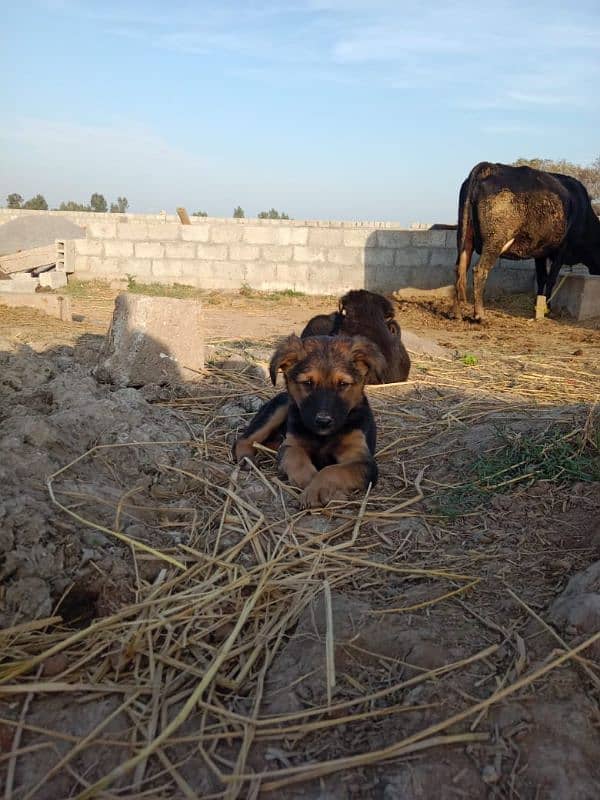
x: 274, y: 255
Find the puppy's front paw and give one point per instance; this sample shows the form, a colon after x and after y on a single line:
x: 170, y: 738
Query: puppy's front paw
x: 319, y: 492
x: 242, y: 450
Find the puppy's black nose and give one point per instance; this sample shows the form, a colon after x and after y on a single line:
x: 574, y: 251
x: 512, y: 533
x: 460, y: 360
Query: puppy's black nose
x: 323, y: 419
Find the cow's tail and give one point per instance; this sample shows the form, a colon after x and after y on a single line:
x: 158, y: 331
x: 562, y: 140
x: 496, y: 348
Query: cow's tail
x: 464, y: 233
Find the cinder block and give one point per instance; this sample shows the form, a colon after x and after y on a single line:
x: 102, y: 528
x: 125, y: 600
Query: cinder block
x: 276, y: 252
x: 309, y: 254
x: 168, y: 232
x: 428, y: 238
x: 167, y: 268
x: 211, y: 252
x: 198, y: 232
x: 78, y: 264
x: 149, y: 250
x: 325, y: 237
x: 386, y: 238
x: 226, y: 234
x: 378, y: 257
x: 579, y: 296
x: 290, y: 234
x: 152, y: 340
x: 180, y: 250
x: 244, y: 252
x: 443, y: 256
x: 360, y: 237
x: 53, y: 279
x: 101, y: 230
x: 259, y: 234
x: 345, y: 255
x: 451, y: 239
x: 88, y: 247
x: 139, y: 267
x: 411, y: 256
x: 118, y: 248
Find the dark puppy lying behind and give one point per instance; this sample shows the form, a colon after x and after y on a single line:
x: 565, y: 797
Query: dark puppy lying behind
x: 323, y: 422
x: 363, y: 313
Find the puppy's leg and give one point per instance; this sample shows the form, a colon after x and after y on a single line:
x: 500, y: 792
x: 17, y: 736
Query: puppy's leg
x: 295, y: 462
x: 267, y: 423
x: 355, y: 469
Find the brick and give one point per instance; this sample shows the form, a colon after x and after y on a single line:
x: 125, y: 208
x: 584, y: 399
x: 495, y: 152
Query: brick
x: 101, y: 230
x: 149, y: 250
x: 88, y: 247
x: 244, y: 252
x: 132, y: 231
x: 360, y: 237
x: 263, y: 234
x: 118, y: 248
x: 325, y: 237
x: 195, y: 233
x: 152, y: 340
x: 394, y: 238
x: 309, y: 254
x: 180, y: 250
x: 226, y: 234
x: 276, y: 252
x: 211, y: 252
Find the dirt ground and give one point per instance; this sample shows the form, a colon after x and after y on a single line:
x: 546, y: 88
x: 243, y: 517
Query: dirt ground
x: 184, y: 629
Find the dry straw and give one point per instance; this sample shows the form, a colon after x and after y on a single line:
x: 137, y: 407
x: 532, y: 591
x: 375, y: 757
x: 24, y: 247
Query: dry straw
x: 193, y: 658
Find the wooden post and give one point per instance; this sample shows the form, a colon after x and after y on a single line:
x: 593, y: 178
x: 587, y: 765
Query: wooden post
x: 183, y: 216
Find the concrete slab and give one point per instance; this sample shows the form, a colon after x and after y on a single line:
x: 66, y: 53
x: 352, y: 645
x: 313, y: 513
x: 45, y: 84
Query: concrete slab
x: 578, y: 296
x: 54, y: 305
x: 53, y: 279
x: 19, y: 283
x: 152, y: 340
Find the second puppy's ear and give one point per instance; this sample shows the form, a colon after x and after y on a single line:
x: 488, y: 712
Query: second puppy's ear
x: 368, y: 359
x: 288, y: 353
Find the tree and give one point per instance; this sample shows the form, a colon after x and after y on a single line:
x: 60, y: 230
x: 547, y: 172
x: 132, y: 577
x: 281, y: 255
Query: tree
x: 204, y: 214
x: 38, y: 203
x: 238, y: 213
x: 71, y: 205
x: 120, y: 207
x: 98, y: 203
x: 14, y: 201
x: 272, y: 214
x: 588, y: 175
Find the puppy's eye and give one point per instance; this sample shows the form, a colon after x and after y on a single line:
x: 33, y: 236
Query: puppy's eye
x: 343, y: 384
x: 308, y: 384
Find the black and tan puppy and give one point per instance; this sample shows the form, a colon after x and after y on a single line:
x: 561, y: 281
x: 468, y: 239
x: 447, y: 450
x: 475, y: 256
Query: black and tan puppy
x: 323, y: 421
x: 364, y: 313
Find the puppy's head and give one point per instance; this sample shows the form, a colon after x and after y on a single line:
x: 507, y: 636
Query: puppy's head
x: 325, y: 376
x: 360, y: 303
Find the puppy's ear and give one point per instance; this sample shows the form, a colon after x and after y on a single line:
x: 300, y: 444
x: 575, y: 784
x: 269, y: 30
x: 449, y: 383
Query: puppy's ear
x: 368, y: 359
x: 289, y: 352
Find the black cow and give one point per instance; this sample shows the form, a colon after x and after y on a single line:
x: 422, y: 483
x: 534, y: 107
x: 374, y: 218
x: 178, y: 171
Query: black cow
x: 520, y: 213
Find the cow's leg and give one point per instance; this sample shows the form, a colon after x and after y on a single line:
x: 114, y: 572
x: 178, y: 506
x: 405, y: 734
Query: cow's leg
x: 541, y: 307
x: 462, y: 267
x: 481, y: 270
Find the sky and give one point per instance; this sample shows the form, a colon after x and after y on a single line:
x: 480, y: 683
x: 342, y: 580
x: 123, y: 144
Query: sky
x: 324, y: 109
